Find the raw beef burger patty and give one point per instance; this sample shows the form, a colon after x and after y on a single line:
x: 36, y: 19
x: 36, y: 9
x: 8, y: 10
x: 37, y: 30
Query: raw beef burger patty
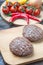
x: 20, y: 46
x: 32, y: 32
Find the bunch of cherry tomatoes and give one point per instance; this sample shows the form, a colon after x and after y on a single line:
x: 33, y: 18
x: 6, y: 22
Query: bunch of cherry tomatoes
x: 16, y: 7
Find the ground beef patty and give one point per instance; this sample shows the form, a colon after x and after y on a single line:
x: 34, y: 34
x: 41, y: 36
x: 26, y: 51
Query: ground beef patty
x: 33, y: 32
x: 20, y: 46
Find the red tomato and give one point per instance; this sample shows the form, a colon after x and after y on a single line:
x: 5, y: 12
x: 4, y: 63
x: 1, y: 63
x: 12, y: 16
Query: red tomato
x: 9, y: 4
x: 37, y: 12
x: 17, y: 4
x: 29, y: 10
x: 13, y: 9
x: 5, y: 9
x: 21, y: 9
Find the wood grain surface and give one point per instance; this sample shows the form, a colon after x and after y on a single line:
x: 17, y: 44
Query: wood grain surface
x: 6, y: 36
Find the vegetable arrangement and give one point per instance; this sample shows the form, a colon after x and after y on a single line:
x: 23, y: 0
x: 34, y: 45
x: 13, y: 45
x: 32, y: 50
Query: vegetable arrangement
x: 17, y: 7
x: 24, y: 16
x: 21, y: 16
x: 21, y: 9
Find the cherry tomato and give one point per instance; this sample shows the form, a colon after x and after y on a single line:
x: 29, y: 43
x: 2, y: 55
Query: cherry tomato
x: 21, y: 9
x: 13, y: 9
x: 37, y: 12
x: 17, y: 4
x: 29, y: 10
x: 9, y: 4
x: 5, y: 9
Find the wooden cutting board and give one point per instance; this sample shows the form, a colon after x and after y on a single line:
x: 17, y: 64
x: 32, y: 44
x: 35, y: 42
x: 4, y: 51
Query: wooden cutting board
x: 19, y: 21
x: 6, y: 36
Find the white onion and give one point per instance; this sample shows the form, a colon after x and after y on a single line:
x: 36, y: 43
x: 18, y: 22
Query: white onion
x: 36, y: 2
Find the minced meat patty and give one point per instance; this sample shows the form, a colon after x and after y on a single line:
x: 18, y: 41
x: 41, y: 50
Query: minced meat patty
x: 20, y: 46
x: 32, y: 32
